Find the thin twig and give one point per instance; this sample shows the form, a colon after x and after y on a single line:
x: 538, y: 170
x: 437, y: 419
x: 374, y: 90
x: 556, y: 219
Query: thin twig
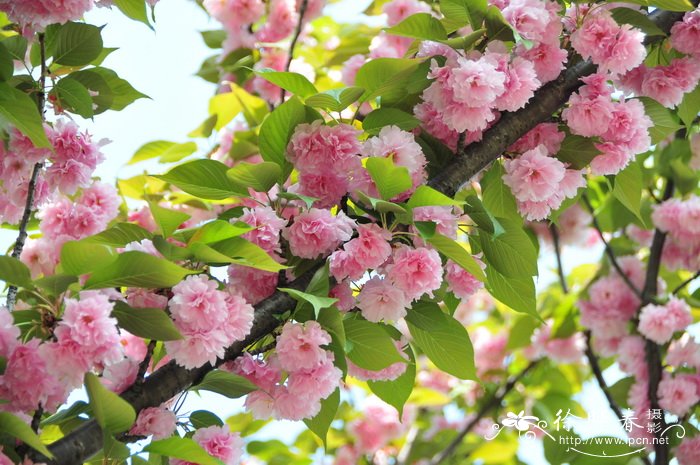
x: 557, y: 252
x: 491, y: 403
x: 143, y: 366
x: 295, y: 38
x: 608, y: 250
x: 29, y: 204
x: 685, y: 283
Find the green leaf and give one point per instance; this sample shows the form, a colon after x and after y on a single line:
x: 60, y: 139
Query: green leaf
x: 167, y: 220
x: 258, y: 176
x: 320, y: 424
x: 335, y: 99
x: 690, y: 107
x: 227, y: 384
x: 13, y: 271
x: 74, y: 97
x: 77, y: 44
x: 665, y: 122
x: 458, y: 254
x: 369, y: 346
x: 55, y: 284
x: 166, y: 150
x: 389, y: 178
x: 254, y: 108
x: 456, y: 14
x: 123, y: 93
x: 578, y: 151
x: 397, y: 392
x: 149, y: 323
x: 332, y: 321
x: 295, y: 83
x: 482, y: 217
x: 81, y: 257
x: 420, y: 26
x: 17, y: 46
x: 204, y: 178
x: 276, y: 131
x: 120, y: 235
x: 381, y: 117
x: 19, y: 429
x: 7, y: 66
x: 512, y: 253
x: 204, y: 419
x: 218, y: 230
x: 21, y: 111
x: 100, y: 91
x: 517, y: 293
x: 672, y: 5
x: 204, y: 129
x: 182, y: 448
x: 137, y: 269
x: 214, y: 39
x: 385, y: 76
x: 317, y: 302
x: 443, y: 339
x: 426, y: 196
x: 498, y: 198
x: 111, y: 411
x: 628, y: 189
x: 243, y: 252
x: 636, y: 19
x: 497, y: 28
x: 134, y: 9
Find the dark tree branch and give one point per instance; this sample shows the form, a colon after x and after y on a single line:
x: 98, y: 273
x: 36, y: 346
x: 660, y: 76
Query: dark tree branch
x: 557, y: 252
x: 143, y: 366
x: 493, y: 402
x: 652, y: 350
x: 31, y: 187
x: 293, y: 44
x: 608, y: 250
x: 172, y: 379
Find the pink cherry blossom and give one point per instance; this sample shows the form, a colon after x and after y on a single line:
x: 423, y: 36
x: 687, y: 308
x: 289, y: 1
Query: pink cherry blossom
x: 547, y: 58
x: 221, y: 443
x: 398, y: 10
x: 588, y: 116
x: 317, y: 232
x: 659, y: 322
x: 156, y: 421
x: 534, y: 176
x: 9, y: 333
x: 299, y: 346
x: 252, y: 284
x: 315, y: 383
x: 688, y: 452
x: 380, y: 300
x: 461, y: 282
x: 685, y: 34
x: 197, y: 303
x: 40, y: 13
x: 343, y: 292
x: 415, y: 271
x: 267, y: 226
x: 264, y: 373
x: 317, y: 147
x: 684, y: 352
x: 677, y: 394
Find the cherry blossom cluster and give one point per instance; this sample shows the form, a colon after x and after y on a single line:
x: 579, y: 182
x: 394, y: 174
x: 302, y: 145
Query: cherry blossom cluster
x: 219, y: 442
x: 681, y: 220
x: 210, y: 320
x: 311, y: 375
x: 71, y: 162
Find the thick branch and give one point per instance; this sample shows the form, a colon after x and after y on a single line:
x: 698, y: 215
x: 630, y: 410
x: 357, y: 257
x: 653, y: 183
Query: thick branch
x: 652, y: 350
x: 490, y: 404
x: 171, y: 379
x: 512, y: 126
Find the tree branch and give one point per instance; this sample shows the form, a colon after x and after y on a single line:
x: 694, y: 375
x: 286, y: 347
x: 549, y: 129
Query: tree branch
x: 31, y: 187
x: 171, y: 379
x: 609, y: 251
x: 685, y: 283
x: 491, y: 403
x: 557, y: 252
x: 652, y: 351
x: 295, y: 38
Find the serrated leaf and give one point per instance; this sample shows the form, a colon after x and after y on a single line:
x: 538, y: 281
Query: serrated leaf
x: 497, y: 197
x: 17, y: 428
x: 227, y: 384
x: 443, y: 339
x: 276, y: 131
x: 167, y: 220
x: 320, y: 424
x: 426, y: 196
x: 385, y: 76
x: 137, y: 269
x: 295, y: 83
x: 120, y: 235
x: 517, y: 293
x: 317, y: 302
x: 81, y: 257
x: 167, y: 151
x: 370, y: 346
x: 13, y: 271
x: 396, y: 392
x: 690, y: 107
x: 21, y: 111
x: 420, y: 26
x: 260, y: 177
x: 134, y: 9
x: 149, y: 323
x: 512, y: 253
x: 389, y: 178
x: 665, y: 122
x: 335, y: 99
x: 77, y: 44
x: 111, y: 411
x: 74, y: 97
x: 455, y: 252
x: 206, y: 179
x: 381, y: 117
x: 577, y: 151
x: 182, y: 448
x: 628, y: 189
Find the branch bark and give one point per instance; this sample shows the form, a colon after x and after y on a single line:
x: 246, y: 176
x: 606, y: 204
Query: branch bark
x: 171, y: 379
